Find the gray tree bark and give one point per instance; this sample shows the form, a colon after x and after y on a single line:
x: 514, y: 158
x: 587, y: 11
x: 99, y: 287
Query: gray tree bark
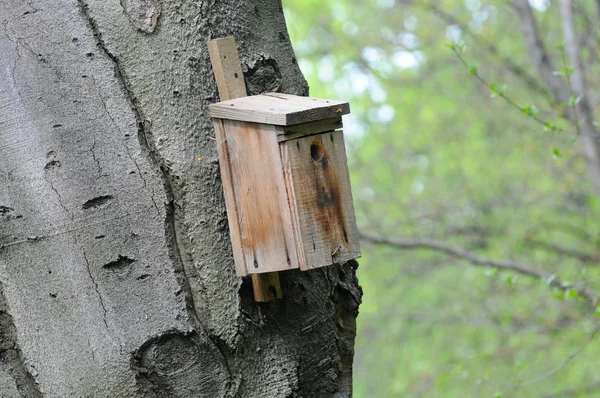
x: 116, y: 271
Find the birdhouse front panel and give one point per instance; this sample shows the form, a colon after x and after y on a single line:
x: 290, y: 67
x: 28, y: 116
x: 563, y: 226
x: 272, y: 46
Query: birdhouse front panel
x: 286, y: 183
x: 318, y: 184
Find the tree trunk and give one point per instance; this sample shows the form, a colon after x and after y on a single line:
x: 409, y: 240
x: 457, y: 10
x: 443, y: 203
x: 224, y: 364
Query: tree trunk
x: 117, y: 278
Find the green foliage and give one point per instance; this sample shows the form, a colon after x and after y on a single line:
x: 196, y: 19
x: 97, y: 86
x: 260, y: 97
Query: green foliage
x: 432, y: 155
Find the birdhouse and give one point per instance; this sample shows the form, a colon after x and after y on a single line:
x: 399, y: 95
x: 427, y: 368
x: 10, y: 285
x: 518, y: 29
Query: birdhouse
x: 286, y: 183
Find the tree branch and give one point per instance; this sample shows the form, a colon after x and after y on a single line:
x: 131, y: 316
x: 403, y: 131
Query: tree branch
x: 517, y: 70
x: 458, y: 252
x: 537, y: 51
x: 556, y: 249
x: 575, y: 392
x: 564, y: 363
x: 582, y: 106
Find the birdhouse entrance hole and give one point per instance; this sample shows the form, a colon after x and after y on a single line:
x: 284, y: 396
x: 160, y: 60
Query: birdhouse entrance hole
x: 317, y: 152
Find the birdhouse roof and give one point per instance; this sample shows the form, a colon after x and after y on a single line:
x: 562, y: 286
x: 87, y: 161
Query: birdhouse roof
x: 279, y: 109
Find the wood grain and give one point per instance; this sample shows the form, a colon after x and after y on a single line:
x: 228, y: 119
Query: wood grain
x: 227, y: 68
x: 260, y: 196
x: 279, y: 109
x: 318, y: 183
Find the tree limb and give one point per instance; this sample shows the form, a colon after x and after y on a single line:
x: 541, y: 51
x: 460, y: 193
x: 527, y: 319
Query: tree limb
x: 564, y: 363
x: 583, y: 109
x: 517, y: 70
x: 557, y: 249
x: 537, y: 51
x: 458, y: 252
x: 575, y: 392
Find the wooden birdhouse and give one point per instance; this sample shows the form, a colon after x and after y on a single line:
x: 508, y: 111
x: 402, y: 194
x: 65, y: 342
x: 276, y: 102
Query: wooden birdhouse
x: 285, y: 178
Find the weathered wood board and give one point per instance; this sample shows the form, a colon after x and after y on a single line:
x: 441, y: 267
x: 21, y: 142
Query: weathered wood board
x: 279, y: 109
x: 311, y: 128
x: 318, y: 185
x: 227, y: 68
x: 230, y: 204
x: 258, y: 198
x: 230, y: 82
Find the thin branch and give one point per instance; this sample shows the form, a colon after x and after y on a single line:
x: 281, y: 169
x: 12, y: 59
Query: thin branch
x: 500, y: 92
x: 504, y: 265
x: 564, y: 363
x: 575, y: 392
x: 537, y: 51
x: 570, y: 87
x: 554, y: 248
x: 517, y: 70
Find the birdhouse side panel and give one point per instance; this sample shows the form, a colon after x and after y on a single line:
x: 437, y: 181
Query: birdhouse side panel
x: 318, y: 181
x: 260, y: 196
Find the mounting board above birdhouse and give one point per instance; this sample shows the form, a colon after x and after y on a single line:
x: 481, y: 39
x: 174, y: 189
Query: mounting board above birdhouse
x: 286, y: 183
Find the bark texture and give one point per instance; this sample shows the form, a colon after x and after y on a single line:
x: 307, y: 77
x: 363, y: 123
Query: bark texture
x: 117, y: 278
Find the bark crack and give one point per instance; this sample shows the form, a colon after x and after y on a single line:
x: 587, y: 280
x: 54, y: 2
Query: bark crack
x: 96, y: 160
x: 137, y: 166
x: 100, y: 299
x: 59, y: 198
x: 37, y: 238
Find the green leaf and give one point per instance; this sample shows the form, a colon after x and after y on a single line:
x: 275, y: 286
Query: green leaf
x: 570, y: 294
x: 494, y: 90
x: 560, y: 46
x: 557, y: 153
x: 531, y: 111
x: 491, y: 272
x: 598, y: 310
x: 548, y: 127
x: 511, y: 279
x: 456, y: 47
x: 574, y: 100
x: 520, y: 365
x: 498, y: 394
x: 473, y: 69
x: 567, y: 71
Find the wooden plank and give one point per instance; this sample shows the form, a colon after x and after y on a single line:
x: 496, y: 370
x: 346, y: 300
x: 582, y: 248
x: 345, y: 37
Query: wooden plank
x: 266, y: 287
x: 279, y: 109
x: 311, y: 128
x: 227, y: 68
x: 232, y: 214
x: 230, y: 82
x: 318, y: 183
x: 260, y: 194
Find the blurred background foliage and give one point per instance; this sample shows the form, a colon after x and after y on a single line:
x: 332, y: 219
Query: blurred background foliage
x: 435, y: 155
